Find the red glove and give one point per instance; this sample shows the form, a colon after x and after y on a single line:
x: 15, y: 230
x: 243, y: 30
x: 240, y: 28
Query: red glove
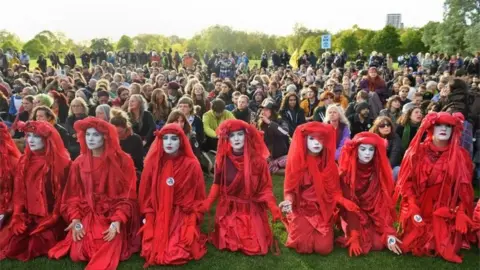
x: 462, y: 221
x: 18, y: 224
x: 354, y: 244
x: 415, y: 213
x: 212, y: 197
x: 189, y: 230
x: 347, y: 204
x: 276, y: 213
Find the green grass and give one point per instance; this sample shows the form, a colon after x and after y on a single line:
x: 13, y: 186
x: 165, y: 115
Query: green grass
x: 288, y: 259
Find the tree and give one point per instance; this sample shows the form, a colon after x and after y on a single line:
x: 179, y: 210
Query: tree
x: 34, y: 48
x: 411, y: 39
x: 387, y: 40
x: 99, y: 44
x: 428, y: 36
x: 9, y: 40
x: 347, y: 41
x: 311, y: 44
x: 472, y: 38
x: 366, y: 37
x: 125, y: 43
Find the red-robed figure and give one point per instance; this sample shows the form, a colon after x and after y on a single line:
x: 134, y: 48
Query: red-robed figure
x: 312, y: 189
x: 366, y: 179
x: 36, y: 225
x: 476, y: 224
x: 99, y: 200
x: 243, y: 181
x: 172, y: 184
x: 436, y: 189
x: 9, y: 156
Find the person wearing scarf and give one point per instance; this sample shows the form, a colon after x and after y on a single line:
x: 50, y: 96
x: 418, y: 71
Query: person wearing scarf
x: 36, y: 224
x: 99, y: 201
x: 9, y: 155
x: 374, y: 83
x: 312, y: 190
x: 172, y: 184
x: 436, y: 189
x: 243, y: 183
x: 366, y: 179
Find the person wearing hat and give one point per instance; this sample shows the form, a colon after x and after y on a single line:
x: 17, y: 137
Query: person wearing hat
x: 435, y: 186
x: 339, y: 98
x: 360, y: 121
x: 276, y: 135
x: 211, y: 120
x: 374, y: 83
x: 174, y: 93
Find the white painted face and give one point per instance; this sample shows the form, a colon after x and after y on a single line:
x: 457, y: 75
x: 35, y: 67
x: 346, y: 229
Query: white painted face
x: 171, y: 143
x: 94, y: 138
x: 237, y: 140
x: 35, y: 142
x: 313, y: 145
x: 365, y: 153
x: 442, y: 132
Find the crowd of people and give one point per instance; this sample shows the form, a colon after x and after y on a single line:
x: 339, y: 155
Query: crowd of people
x: 79, y: 141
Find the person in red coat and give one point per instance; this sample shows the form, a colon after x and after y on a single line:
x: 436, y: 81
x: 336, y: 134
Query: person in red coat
x: 9, y: 156
x: 312, y: 189
x: 243, y: 182
x: 99, y: 200
x: 172, y: 183
x: 36, y: 225
x: 476, y: 224
x: 436, y: 189
x: 366, y: 179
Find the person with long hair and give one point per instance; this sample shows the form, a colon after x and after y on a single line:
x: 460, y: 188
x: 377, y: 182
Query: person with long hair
x: 185, y: 105
x: 172, y: 185
x: 23, y: 116
x: 366, y: 180
x: 199, y: 97
x: 312, y: 190
x: 336, y: 117
x: 36, y: 224
x: 291, y: 112
x: 147, y: 90
x: 159, y: 107
x: 435, y: 185
x: 142, y: 120
x: 99, y: 201
x: 9, y: 156
x: 408, y: 125
x: 43, y: 113
x: 383, y: 127
x: 59, y: 106
x: 320, y: 112
x: 78, y: 111
x: 103, y: 112
x: 123, y: 93
x: 310, y: 102
x: 374, y: 83
x: 244, y: 185
x: 393, y: 109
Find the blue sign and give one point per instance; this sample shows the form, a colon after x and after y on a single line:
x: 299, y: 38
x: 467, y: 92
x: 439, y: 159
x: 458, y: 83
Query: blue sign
x: 326, y: 41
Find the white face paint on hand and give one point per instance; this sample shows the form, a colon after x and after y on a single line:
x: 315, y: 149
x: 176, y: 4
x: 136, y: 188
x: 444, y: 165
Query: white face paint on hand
x: 237, y: 140
x: 313, y: 145
x: 365, y: 153
x: 171, y: 143
x: 35, y: 142
x: 442, y: 132
x: 94, y: 138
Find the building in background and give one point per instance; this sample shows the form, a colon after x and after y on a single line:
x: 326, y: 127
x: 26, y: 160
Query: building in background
x: 395, y: 20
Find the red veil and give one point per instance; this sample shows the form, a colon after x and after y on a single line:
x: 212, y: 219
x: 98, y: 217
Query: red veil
x: 9, y: 156
x: 348, y: 164
x: 253, y: 149
x: 322, y: 168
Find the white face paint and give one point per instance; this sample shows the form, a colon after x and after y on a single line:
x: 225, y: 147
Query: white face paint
x: 171, y: 143
x: 442, y: 132
x: 35, y: 142
x: 237, y: 140
x: 365, y: 153
x: 313, y: 145
x: 94, y: 138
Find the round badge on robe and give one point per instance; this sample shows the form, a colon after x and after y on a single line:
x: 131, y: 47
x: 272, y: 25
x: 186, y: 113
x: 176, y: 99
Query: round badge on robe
x: 144, y: 221
x: 170, y: 181
x: 418, y: 218
x: 391, y: 241
x: 78, y: 226
x: 196, y: 144
x: 2, y: 216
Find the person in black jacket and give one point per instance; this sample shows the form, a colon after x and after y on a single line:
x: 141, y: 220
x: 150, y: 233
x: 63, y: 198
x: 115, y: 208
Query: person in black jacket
x: 360, y: 121
x: 42, y: 63
x: 384, y: 127
x: 43, y: 113
x: 142, y: 119
x: 242, y: 112
x: 78, y: 111
x: 291, y: 112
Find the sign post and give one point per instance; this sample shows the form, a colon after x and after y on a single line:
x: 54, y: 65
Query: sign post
x: 326, y: 42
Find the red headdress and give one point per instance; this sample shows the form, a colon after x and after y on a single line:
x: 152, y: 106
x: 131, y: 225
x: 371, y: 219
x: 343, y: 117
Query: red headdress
x: 55, y: 156
x: 9, y: 156
x: 457, y: 168
x: 61, y: 99
x: 299, y: 162
x: 253, y: 149
x: 349, y: 160
x: 112, y: 144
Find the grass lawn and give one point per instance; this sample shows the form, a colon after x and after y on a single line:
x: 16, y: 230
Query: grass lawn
x: 288, y: 259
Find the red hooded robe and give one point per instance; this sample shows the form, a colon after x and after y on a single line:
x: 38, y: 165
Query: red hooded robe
x: 436, y: 190
x: 312, y: 185
x: 371, y: 187
x: 245, y: 187
x: 36, y: 225
x: 171, y: 185
x: 99, y: 191
x: 9, y: 156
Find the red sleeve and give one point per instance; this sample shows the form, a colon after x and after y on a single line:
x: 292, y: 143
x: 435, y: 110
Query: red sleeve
x: 70, y: 207
x: 265, y: 189
x: 128, y: 196
x: 19, y: 189
x: 353, y: 223
x: 145, y: 192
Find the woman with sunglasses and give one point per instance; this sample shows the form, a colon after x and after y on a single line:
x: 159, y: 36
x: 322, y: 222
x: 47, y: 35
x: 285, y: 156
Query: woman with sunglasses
x: 383, y: 126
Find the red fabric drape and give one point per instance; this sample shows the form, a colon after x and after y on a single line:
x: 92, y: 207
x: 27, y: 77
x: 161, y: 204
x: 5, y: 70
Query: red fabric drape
x: 9, y: 156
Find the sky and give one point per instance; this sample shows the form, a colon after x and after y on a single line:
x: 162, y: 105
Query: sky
x: 86, y: 19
